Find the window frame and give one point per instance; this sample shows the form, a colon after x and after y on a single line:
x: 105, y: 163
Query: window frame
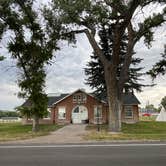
x: 64, y: 113
x: 95, y: 109
x: 128, y: 108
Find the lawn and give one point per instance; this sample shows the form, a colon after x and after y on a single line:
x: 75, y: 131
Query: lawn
x: 17, y: 131
x: 143, y: 130
x: 148, y: 118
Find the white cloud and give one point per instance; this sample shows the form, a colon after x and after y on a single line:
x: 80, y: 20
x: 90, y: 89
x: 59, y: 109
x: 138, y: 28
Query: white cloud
x: 67, y: 74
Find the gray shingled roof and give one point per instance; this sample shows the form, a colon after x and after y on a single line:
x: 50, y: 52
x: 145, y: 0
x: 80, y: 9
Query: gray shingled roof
x: 128, y: 99
x: 54, y: 99
x: 51, y: 100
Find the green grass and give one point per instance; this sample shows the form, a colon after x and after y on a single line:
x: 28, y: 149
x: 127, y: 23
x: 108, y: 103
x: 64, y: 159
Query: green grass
x: 17, y: 131
x: 148, y: 118
x: 143, y: 130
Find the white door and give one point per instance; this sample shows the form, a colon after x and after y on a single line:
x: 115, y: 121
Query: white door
x: 79, y: 114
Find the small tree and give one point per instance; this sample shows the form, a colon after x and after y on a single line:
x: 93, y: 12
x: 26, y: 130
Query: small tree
x: 32, y: 45
x: 163, y: 102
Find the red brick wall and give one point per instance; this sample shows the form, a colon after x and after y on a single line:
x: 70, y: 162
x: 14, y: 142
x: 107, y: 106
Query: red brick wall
x: 69, y: 105
x: 91, y: 102
x: 135, y: 115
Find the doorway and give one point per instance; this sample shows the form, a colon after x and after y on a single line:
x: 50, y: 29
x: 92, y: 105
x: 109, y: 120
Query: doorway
x: 79, y: 115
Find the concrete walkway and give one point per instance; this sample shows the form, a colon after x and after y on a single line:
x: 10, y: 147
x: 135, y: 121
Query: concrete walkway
x: 67, y: 134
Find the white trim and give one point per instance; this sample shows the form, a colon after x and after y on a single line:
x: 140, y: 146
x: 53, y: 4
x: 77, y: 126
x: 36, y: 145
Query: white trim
x: 97, y: 119
x: 132, y: 111
x: 62, y: 118
x: 78, y: 114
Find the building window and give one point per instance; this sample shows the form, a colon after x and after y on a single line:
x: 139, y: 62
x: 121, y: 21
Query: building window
x: 74, y: 99
x: 79, y: 98
x: 84, y: 98
x: 98, y: 114
x: 76, y: 110
x: 61, y: 113
x: 128, y: 112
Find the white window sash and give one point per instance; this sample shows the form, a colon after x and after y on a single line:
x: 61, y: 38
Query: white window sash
x: 61, y: 113
x: 128, y: 110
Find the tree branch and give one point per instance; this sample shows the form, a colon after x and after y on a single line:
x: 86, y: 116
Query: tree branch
x: 92, y: 42
x: 124, y: 75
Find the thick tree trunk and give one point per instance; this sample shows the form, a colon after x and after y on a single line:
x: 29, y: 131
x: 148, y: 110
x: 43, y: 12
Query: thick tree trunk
x: 35, y: 125
x: 115, y: 106
x: 114, y: 115
x: 114, y: 100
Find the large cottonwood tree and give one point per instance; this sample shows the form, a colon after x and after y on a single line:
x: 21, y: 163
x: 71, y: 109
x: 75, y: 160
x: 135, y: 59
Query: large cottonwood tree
x: 95, y: 70
x: 87, y: 16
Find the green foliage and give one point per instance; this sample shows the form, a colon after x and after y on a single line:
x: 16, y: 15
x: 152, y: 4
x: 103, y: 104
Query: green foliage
x: 159, y: 67
x: 8, y: 114
x: 32, y: 46
x: 88, y: 16
x: 150, y: 107
x: 95, y: 69
x: 24, y: 111
x: 163, y: 102
x: 2, y: 58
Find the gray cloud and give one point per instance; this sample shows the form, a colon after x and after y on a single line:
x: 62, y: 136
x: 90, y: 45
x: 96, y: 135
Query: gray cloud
x: 67, y: 74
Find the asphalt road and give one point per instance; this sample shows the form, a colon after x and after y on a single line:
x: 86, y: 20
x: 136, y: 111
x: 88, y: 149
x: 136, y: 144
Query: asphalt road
x: 84, y: 155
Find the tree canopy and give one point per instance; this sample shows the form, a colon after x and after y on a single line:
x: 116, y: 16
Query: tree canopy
x: 163, y: 102
x: 32, y: 45
x: 88, y: 17
x: 159, y: 67
x: 95, y: 69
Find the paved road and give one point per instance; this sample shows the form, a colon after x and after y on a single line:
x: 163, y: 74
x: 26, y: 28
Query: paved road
x: 84, y: 155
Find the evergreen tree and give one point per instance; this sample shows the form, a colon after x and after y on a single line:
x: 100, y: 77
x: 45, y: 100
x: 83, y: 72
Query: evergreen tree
x: 95, y: 69
x: 159, y: 67
x: 163, y: 102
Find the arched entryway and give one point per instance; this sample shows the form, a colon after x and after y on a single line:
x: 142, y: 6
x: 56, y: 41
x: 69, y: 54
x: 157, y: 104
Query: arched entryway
x: 79, y: 115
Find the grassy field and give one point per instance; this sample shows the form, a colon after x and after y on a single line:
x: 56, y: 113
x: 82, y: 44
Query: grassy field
x: 144, y: 130
x: 16, y: 131
x: 148, y: 118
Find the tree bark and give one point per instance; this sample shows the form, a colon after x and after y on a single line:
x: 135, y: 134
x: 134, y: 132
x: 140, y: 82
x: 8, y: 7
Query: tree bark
x: 114, y: 124
x: 114, y: 100
x: 35, y: 124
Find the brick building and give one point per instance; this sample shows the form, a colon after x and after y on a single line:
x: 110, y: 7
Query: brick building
x: 81, y: 107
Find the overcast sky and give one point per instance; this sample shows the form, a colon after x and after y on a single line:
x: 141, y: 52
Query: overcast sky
x: 67, y: 72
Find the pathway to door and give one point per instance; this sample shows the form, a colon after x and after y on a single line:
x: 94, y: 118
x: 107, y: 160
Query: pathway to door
x: 68, y: 134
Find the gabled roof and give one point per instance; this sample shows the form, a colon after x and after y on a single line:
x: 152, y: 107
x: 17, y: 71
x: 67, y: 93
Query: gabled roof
x: 51, y: 100
x: 128, y: 99
x: 78, y: 90
x: 55, y: 99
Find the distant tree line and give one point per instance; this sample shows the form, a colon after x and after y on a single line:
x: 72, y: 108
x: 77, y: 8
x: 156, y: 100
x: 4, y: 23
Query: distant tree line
x: 8, y: 114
